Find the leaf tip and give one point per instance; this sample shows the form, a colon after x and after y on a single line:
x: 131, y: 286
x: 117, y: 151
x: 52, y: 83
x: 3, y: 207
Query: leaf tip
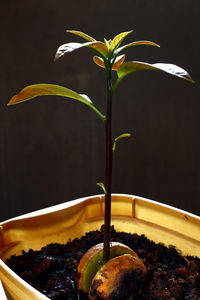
x: 13, y: 100
x: 189, y: 78
x: 55, y: 58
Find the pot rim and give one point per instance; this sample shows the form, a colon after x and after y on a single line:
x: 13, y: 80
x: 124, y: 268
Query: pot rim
x: 57, y: 207
x: 141, y: 210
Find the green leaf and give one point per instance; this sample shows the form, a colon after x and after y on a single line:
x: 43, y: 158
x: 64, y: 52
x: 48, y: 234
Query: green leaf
x: 124, y: 135
x: 82, y: 34
x: 35, y: 90
x: 118, y: 39
x: 101, y: 184
x: 137, y: 43
x: 133, y: 66
x: 98, y: 47
x: 107, y: 42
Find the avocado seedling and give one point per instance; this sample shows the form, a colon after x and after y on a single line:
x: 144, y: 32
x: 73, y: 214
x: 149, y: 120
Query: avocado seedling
x: 107, y: 257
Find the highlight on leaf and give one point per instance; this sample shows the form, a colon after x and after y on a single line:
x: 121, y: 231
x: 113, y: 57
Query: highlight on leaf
x: 124, y: 135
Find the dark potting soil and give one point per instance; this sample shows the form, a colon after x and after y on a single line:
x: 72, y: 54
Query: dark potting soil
x: 52, y: 270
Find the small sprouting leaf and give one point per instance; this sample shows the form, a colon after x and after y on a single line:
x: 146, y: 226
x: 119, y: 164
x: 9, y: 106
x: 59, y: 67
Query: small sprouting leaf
x: 118, y: 39
x: 119, y: 60
x: 35, y: 90
x: 82, y: 34
x: 99, y: 61
x: 137, y: 43
x: 133, y: 66
x: 107, y: 42
x: 124, y: 135
x: 98, y: 47
x: 101, y: 184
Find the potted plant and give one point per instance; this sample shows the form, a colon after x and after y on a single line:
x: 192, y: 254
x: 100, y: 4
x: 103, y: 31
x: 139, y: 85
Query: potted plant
x: 105, y: 256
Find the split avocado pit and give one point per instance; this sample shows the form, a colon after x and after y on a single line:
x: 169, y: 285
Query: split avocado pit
x: 116, y: 279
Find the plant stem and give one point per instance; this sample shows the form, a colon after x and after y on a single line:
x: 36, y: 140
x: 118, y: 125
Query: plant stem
x: 108, y: 169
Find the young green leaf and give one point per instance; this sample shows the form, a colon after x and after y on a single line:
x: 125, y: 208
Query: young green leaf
x: 137, y: 43
x: 133, y: 66
x: 118, y: 40
x: 82, y: 34
x: 118, y: 138
x: 35, y: 90
x: 98, y: 47
x: 101, y: 184
x: 107, y: 42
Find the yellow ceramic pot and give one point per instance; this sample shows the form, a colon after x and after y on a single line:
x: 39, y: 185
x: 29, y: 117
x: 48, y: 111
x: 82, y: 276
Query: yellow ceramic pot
x: 159, y: 222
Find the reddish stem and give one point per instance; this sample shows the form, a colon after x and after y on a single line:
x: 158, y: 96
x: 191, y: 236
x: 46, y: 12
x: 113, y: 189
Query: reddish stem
x: 108, y: 172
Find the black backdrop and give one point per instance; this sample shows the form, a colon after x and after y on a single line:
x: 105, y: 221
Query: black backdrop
x: 52, y: 149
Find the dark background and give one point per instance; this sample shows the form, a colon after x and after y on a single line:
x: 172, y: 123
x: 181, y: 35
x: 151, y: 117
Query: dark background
x: 52, y: 149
